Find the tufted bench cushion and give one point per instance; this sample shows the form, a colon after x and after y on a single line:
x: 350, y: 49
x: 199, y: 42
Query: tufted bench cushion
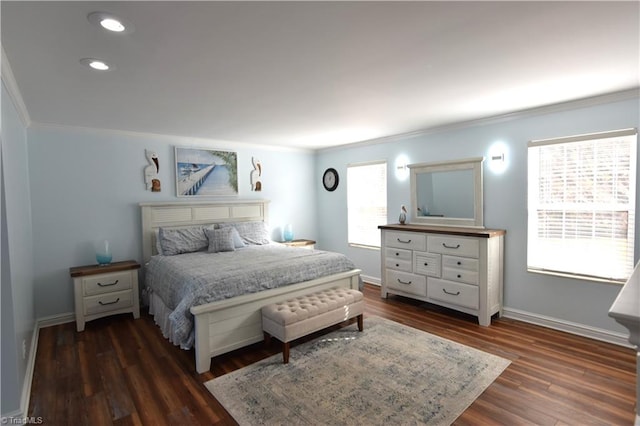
x: 298, y: 317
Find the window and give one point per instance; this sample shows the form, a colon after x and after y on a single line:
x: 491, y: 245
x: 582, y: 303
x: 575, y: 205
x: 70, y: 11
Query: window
x: 582, y: 197
x: 366, y: 202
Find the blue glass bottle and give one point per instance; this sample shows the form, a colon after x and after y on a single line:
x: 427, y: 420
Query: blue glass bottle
x: 288, y: 232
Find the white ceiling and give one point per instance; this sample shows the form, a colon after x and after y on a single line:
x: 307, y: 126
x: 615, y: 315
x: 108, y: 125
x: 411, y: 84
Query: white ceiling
x: 314, y: 74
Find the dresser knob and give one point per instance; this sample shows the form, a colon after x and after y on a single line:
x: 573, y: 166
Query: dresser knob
x: 426, y: 264
x: 459, y: 263
x: 459, y: 276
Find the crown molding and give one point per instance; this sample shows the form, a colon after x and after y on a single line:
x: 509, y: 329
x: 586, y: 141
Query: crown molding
x: 12, y: 88
x: 187, y: 141
x: 622, y: 95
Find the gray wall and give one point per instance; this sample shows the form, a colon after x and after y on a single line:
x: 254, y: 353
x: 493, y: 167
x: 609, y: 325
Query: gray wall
x: 505, y: 203
x: 18, y: 317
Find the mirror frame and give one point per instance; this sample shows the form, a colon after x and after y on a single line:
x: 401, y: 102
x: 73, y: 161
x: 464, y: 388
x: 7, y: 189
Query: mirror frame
x: 474, y: 164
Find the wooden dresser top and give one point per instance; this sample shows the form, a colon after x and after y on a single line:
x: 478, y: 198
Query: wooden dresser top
x: 451, y: 230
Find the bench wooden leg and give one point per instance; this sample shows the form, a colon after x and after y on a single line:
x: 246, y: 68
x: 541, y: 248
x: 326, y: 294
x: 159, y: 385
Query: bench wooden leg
x: 360, y: 322
x: 285, y: 353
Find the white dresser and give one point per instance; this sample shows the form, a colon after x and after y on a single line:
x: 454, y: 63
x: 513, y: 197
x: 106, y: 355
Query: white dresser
x: 459, y: 268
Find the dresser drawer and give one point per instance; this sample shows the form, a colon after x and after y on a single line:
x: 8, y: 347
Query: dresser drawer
x: 400, y: 265
x: 408, y: 283
x: 465, y: 263
x: 458, y: 246
x: 106, y: 283
x: 108, y: 302
x: 397, y: 253
x: 406, y: 240
x: 454, y: 293
x: 426, y: 263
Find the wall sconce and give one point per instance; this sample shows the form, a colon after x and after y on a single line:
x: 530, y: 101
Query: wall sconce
x: 402, y: 171
x: 498, y: 159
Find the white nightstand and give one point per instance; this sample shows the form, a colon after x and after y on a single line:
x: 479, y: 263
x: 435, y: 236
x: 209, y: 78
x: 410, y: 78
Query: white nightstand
x: 101, y: 291
x: 308, y: 244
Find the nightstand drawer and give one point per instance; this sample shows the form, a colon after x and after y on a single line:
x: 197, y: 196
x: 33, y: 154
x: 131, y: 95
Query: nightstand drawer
x: 106, y: 283
x: 108, y: 302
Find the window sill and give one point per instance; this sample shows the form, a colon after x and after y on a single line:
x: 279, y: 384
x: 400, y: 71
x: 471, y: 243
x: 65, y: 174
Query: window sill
x: 576, y: 277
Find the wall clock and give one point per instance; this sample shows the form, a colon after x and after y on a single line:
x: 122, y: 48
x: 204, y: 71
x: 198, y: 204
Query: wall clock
x: 330, y: 179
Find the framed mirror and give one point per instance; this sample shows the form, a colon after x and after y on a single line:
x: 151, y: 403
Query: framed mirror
x: 447, y: 193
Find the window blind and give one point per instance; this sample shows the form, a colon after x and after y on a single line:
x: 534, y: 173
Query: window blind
x: 366, y: 202
x: 581, y: 205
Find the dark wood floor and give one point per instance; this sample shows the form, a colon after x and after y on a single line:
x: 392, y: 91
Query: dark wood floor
x: 121, y: 371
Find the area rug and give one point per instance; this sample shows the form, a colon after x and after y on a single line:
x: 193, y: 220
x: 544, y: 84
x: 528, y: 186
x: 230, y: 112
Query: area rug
x: 389, y: 374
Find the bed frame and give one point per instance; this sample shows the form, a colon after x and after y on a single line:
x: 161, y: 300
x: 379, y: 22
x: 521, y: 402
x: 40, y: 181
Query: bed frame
x: 233, y: 323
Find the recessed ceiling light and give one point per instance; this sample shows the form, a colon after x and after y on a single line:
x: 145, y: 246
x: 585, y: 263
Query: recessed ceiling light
x: 96, y: 64
x: 110, y: 22
x: 112, y: 25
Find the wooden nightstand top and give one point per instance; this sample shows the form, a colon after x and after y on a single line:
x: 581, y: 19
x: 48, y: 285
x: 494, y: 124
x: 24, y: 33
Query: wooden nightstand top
x: 299, y: 243
x: 81, y: 271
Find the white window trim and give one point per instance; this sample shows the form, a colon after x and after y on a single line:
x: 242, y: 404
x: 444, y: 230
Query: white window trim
x: 533, y: 184
x: 363, y: 164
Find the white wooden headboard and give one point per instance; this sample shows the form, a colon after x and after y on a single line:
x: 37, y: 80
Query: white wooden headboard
x: 180, y: 214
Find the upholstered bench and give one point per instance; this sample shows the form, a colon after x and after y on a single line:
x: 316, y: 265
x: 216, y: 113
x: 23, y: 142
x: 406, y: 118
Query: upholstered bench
x: 298, y: 317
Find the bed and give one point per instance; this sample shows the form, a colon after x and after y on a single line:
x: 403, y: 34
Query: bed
x: 223, y: 325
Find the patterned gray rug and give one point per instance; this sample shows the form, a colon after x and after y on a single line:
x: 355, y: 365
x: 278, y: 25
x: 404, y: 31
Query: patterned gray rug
x: 388, y: 374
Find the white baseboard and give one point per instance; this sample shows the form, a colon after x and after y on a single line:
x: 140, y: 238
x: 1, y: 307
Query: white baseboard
x: 371, y: 280
x: 603, y: 335
x: 23, y: 411
x: 56, y: 319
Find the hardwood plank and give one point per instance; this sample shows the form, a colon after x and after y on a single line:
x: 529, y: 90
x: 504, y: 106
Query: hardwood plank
x: 122, y: 371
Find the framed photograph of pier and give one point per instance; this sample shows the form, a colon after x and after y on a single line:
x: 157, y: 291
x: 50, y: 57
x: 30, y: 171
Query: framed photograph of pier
x: 202, y: 172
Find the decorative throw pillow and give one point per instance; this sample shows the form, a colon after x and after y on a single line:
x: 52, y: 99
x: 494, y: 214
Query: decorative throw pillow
x: 252, y: 233
x: 220, y: 239
x: 237, y: 240
x: 182, y: 240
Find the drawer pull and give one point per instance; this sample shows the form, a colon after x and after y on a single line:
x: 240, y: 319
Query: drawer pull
x: 451, y: 247
x: 459, y: 263
x: 109, y: 303
x: 404, y: 282
x: 397, y: 254
x: 402, y: 241
x: 457, y: 293
x: 397, y: 265
x: 426, y: 264
x: 459, y: 276
x: 108, y: 284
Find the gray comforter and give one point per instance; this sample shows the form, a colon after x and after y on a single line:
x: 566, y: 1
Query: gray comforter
x: 192, y: 279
